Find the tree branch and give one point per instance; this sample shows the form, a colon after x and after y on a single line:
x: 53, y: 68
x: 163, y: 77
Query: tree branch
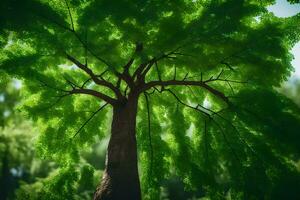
x: 242, y: 140
x: 174, y: 77
x: 205, y: 140
x: 72, y: 84
x: 94, y: 93
x: 95, y: 77
x: 126, y: 78
x: 138, y: 48
x: 185, y: 83
x: 125, y: 74
x: 72, y: 30
x: 181, y: 102
x: 89, y: 119
x: 70, y: 15
x: 227, y: 65
x: 145, y: 71
x: 76, y: 90
x: 225, y: 80
x: 227, y: 142
x: 209, y: 117
x: 144, y: 68
x: 128, y: 64
x: 158, y: 72
x: 149, y: 133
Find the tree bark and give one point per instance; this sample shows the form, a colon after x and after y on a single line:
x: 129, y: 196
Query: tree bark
x: 120, y: 179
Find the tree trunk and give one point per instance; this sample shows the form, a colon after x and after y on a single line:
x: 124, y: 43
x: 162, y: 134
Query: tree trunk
x: 5, y: 177
x: 120, y: 179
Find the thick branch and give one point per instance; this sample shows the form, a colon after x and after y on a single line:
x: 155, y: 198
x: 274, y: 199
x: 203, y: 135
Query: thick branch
x: 93, y: 93
x: 127, y: 66
x: 126, y: 78
x: 146, y: 70
x: 142, y: 70
x: 76, y: 90
x: 125, y: 74
x: 95, y: 77
x: 186, y: 83
x: 139, y: 70
x: 81, y: 91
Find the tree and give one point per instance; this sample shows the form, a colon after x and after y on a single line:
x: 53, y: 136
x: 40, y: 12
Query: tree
x: 23, y: 175
x: 293, y: 1
x: 16, y: 153
x: 187, y: 83
x: 9, y: 98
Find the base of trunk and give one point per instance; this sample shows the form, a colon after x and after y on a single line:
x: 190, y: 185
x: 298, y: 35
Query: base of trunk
x: 114, y: 186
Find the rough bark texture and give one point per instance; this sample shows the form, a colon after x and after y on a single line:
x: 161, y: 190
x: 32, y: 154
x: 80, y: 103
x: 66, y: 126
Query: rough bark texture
x: 121, y: 179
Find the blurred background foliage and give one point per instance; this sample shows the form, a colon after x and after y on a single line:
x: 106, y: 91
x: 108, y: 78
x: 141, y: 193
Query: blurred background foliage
x: 25, y: 175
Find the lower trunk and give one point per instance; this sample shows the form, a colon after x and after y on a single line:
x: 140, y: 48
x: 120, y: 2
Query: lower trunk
x: 5, y: 180
x: 120, y: 179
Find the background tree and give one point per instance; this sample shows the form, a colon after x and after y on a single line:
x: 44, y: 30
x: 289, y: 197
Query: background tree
x: 24, y: 175
x: 16, y: 144
x: 9, y: 98
x: 196, y: 77
x: 293, y: 1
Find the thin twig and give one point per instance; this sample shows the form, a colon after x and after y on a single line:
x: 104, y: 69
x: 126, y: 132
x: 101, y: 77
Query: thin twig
x: 89, y: 119
x: 149, y: 133
x: 70, y: 15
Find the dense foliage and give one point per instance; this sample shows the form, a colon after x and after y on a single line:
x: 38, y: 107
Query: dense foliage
x: 230, y: 135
